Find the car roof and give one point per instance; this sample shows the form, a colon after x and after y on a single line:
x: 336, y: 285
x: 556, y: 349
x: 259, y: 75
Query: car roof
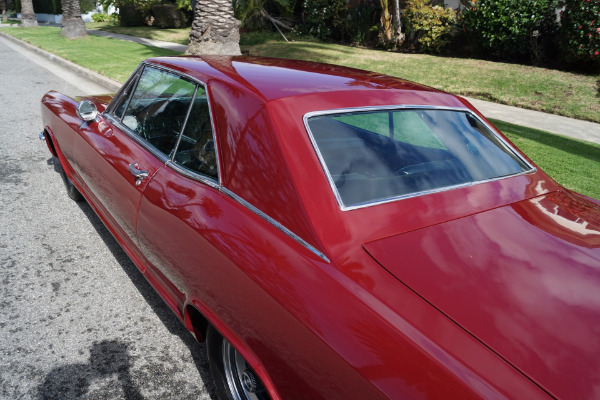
x: 272, y: 78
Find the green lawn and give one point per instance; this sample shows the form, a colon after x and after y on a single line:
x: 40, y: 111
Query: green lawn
x: 557, y: 92
x: 573, y: 163
x: 167, y: 35
x: 110, y: 57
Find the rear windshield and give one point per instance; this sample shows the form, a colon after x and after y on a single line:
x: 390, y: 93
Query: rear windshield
x: 374, y: 156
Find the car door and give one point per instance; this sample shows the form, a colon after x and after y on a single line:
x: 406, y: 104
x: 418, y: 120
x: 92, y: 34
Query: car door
x: 179, y: 194
x: 118, y: 154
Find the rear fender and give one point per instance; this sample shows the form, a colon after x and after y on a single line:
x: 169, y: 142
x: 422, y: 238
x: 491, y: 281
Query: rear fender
x: 228, y: 334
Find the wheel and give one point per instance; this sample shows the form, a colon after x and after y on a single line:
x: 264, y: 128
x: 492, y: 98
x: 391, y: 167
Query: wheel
x: 71, y: 189
x: 234, y: 378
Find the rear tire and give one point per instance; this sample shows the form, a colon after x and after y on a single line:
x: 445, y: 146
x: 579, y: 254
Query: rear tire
x: 72, y: 191
x: 234, y: 378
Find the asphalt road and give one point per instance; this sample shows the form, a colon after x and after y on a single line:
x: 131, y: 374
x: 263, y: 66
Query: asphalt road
x: 77, y: 319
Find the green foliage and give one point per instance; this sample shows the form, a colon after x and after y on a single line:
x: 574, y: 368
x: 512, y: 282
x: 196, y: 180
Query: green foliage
x: 54, y: 6
x: 47, y: 6
x: 363, y: 22
x: 87, y: 5
x: 511, y: 29
x: 580, y: 31
x: 324, y: 19
x: 428, y: 26
x: 101, y: 17
x: 184, y: 5
x: 254, y: 14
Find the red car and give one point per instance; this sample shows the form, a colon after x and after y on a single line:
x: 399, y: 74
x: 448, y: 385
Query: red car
x: 340, y: 234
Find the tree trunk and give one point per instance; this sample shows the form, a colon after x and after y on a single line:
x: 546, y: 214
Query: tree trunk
x: 73, y: 26
x: 3, y: 7
x: 28, y: 18
x: 398, y: 35
x: 386, y: 22
x: 214, y: 29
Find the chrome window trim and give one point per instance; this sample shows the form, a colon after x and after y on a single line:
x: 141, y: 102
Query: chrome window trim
x: 185, y: 120
x: 168, y: 160
x: 338, y: 198
x: 131, y: 81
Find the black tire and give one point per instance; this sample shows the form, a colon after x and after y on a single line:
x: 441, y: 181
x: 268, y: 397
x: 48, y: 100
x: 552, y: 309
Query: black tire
x: 71, y: 189
x: 234, y: 379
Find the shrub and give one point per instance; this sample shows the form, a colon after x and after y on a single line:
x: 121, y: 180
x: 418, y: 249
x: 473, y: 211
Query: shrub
x: 254, y: 14
x: 580, y: 31
x: 363, y: 22
x: 55, y: 6
x: 168, y: 16
x: 512, y: 29
x: 324, y: 19
x: 428, y: 26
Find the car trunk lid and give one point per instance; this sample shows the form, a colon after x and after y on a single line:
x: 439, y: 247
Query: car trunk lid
x: 523, y: 278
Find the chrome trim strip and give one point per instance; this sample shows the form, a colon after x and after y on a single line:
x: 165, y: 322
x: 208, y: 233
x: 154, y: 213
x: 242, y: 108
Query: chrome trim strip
x: 187, y: 116
x: 274, y: 223
x: 343, y: 207
x: 193, y: 175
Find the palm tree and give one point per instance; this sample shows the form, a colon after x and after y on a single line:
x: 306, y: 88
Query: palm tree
x: 28, y: 18
x: 214, y: 29
x: 386, y: 22
x: 398, y: 35
x: 73, y: 26
x: 3, y: 7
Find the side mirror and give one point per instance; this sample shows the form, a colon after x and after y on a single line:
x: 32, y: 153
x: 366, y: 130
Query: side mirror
x: 87, y: 111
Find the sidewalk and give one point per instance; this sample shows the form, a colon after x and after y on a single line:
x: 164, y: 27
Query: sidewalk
x: 574, y: 128
x: 148, y: 42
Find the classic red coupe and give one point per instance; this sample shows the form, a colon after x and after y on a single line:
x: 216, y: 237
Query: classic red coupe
x: 340, y: 234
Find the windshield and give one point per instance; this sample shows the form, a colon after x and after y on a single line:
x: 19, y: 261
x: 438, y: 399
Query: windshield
x: 373, y: 156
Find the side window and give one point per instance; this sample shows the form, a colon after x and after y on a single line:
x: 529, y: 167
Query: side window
x: 196, y: 150
x: 158, y: 107
x: 123, y: 101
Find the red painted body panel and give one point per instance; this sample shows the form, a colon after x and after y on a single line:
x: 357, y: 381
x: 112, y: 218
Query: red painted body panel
x: 341, y: 327
x: 523, y: 278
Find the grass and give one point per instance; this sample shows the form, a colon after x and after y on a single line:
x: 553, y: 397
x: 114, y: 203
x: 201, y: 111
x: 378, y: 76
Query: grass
x: 557, y: 92
x: 110, y: 57
x: 573, y: 163
x: 10, y: 21
x: 563, y: 93
x: 180, y: 36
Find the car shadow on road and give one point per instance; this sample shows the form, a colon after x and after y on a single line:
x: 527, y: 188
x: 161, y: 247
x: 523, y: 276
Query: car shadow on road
x: 78, y: 375
x: 72, y: 381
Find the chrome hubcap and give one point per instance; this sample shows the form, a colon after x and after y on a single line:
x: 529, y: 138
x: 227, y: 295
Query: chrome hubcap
x: 243, y: 382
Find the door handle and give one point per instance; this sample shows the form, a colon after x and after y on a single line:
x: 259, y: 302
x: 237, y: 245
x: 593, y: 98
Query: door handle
x: 138, y: 174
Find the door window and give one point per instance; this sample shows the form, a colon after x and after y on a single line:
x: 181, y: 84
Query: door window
x: 196, y: 150
x: 172, y: 114
x: 158, y: 107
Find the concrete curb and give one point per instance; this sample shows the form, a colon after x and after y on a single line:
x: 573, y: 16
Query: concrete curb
x: 95, y: 77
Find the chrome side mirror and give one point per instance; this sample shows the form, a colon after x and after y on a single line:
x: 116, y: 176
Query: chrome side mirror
x: 86, y: 110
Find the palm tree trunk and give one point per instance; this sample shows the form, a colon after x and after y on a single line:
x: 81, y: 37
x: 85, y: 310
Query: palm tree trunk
x: 398, y: 35
x: 3, y: 7
x: 28, y: 18
x: 386, y: 22
x: 73, y: 26
x: 214, y: 29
